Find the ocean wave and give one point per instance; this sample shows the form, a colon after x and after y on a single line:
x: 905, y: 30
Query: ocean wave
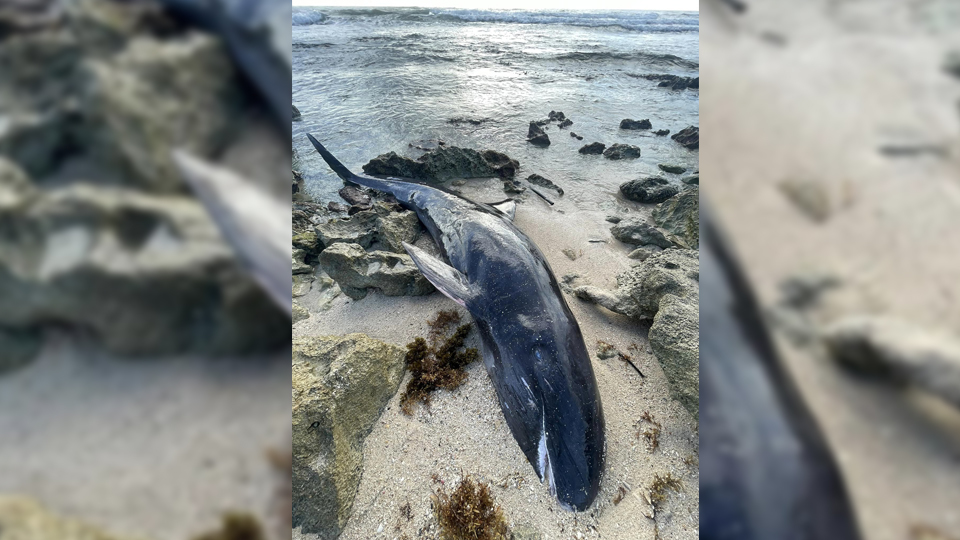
x: 638, y: 21
x: 647, y: 58
x: 307, y: 17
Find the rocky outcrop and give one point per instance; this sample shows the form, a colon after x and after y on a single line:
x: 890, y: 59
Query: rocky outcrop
x: 23, y: 518
x: 622, y: 151
x: 689, y: 137
x: 680, y: 216
x: 340, y: 386
x: 296, y: 112
x: 674, y: 82
x: 379, y: 228
x: 666, y: 288
x: 144, y: 274
x: 445, y: 163
x: 638, y: 232
x: 593, y: 148
x: 628, y: 123
x: 541, y: 181
x: 649, y: 190
x: 556, y: 116
x: 537, y: 136
x: 357, y: 270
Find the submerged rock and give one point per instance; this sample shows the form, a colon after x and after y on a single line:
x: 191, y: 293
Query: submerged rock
x: 145, y: 274
x: 296, y: 112
x: 557, y: 116
x: 575, y: 136
x: 689, y: 137
x: 541, y: 181
x: 680, y: 216
x: 622, y: 151
x: 672, y: 169
x: 628, y: 123
x: 666, y: 288
x: 693, y: 180
x: 445, y: 163
x: 648, y: 190
x: 593, y: 148
x: 661, y: 132
x: 341, y: 385
x: 537, y: 136
x: 356, y: 270
x: 566, y: 123
x: 638, y: 232
x: 674, y: 82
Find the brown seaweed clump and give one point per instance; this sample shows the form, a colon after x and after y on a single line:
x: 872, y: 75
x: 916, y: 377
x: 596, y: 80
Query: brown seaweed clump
x: 437, y: 363
x: 651, y: 435
x: 236, y: 526
x: 659, y: 487
x: 470, y: 513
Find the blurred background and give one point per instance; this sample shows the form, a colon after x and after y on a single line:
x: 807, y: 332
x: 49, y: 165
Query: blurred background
x: 144, y: 363
x: 832, y: 163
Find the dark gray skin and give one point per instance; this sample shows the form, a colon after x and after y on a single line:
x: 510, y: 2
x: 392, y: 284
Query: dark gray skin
x: 531, y: 344
x: 765, y: 468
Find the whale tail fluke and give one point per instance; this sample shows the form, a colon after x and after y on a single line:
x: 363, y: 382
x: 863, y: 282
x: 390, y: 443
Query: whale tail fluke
x: 342, y: 171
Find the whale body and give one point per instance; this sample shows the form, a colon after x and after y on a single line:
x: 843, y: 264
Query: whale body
x: 531, y: 344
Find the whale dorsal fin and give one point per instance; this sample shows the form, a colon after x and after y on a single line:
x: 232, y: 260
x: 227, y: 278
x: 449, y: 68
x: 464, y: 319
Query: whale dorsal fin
x: 447, y: 279
x: 507, y: 208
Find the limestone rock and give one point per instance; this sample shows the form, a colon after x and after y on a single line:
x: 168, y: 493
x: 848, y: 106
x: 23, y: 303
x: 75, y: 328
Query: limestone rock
x: 545, y: 182
x: 356, y: 270
x: 340, y: 386
x: 680, y: 216
x: 592, y: 148
x: 24, y: 519
x: 628, y: 123
x: 537, y: 136
x: 689, y: 137
x: 648, y: 190
x: 675, y: 340
x: 622, y: 151
x: 641, y: 233
x: 444, y: 163
x: 672, y: 169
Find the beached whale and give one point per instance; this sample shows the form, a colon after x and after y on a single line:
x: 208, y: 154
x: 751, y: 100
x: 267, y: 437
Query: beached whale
x: 531, y: 344
x: 766, y: 470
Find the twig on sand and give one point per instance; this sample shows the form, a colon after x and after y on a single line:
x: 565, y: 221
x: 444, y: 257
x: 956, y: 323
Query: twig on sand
x: 542, y: 196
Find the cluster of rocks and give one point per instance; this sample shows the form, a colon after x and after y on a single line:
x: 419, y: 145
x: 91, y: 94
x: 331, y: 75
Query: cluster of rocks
x: 674, y: 82
x: 615, y: 151
x: 537, y: 136
x: 664, y: 287
x: 444, y: 163
x: 363, y: 251
x: 122, y: 253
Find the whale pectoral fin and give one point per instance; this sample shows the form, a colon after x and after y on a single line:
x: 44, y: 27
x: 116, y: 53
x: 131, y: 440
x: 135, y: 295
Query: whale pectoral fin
x: 507, y: 208
x: 447, y: 279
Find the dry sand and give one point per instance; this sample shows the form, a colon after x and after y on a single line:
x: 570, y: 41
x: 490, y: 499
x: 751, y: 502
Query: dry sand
x: 464, y: 431
x: 851, y: 77
x: 153, y: 448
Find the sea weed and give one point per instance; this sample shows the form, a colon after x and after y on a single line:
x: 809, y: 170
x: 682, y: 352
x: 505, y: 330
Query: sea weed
x: 437, y: 363
x: 469, y: 513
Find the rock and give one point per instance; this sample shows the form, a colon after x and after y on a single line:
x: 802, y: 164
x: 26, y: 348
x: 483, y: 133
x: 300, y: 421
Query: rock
x: 340, y: 208
x: 355, y: 271
x: 575, y: 136
x: 394, y: 228
x: 566, y: 123
x: 627, y: 123
x: 571, y: 254
x: 661, y: 132
x: 18, y: 347
x: 689, y: 137
x: 341, y: 385
x: 379, y: 228
x: 810, y: 197
x: 666, y: 288
x: 463, y: 120
x: 537, y: 136
x: 360, y: 228
x: 299, y: 266
x: 593, y: 148
x: 557, y: 116
x: 635, y: 231
x: 308, y: 242
x: 299, y: 187
x: 153, y: 96
x: 355, y: 196
x: 675, y: 339
x: 24, y: 519
x: 146, y: 274
x: 648, y: 190
x: 693, y: 180
x: 672, y: 169
x: 513, y: 187
x: 680, y: 216
x: 899, y: 352
x: 296, y: 112
x: 445, y: 163
x: 541, y: 181
x: 300, y: 313
x: 951, y: 63
x: 16, y: 189
x: 614, y: 219
x: 302, y: 283
x: 643, y: 253
x: 622, y: 151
